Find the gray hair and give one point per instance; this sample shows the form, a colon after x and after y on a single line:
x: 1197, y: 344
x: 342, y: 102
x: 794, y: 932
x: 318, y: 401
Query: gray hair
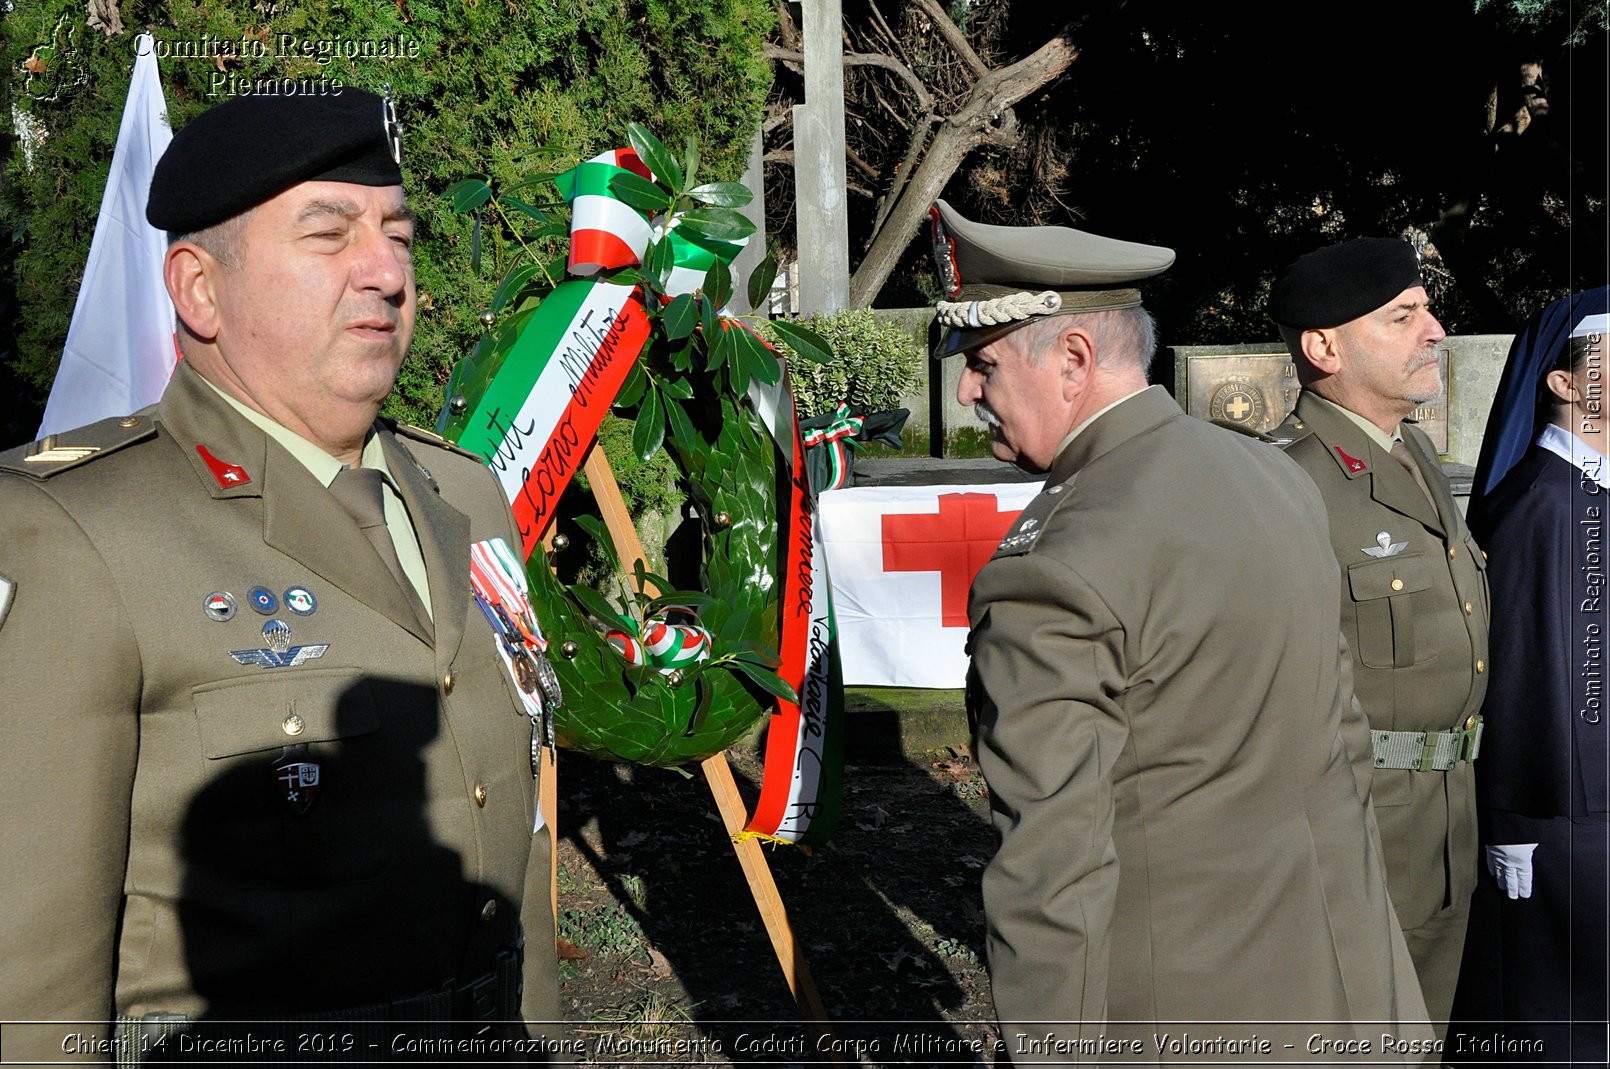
x: 1120, y: 335
x: 221, y: 240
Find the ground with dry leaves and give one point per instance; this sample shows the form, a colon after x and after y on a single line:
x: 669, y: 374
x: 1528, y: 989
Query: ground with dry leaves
x: 665, y: 941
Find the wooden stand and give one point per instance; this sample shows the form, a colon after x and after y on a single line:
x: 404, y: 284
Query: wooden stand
x: 717, y: 774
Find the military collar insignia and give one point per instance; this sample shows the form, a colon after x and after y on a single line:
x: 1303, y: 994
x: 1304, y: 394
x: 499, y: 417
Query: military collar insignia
x: 228, y: 475
x: 1354, y: 465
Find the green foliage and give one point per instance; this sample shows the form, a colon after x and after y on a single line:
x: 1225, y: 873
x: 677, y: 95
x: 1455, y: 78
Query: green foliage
x: 878, y: 363
x: 518, y: 87
x: 686, y: 398
x: 1581, y: 20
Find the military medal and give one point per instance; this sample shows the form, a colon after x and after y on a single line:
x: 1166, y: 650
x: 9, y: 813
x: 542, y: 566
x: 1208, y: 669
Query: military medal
x: 500, y: 592
x: 219, y: 605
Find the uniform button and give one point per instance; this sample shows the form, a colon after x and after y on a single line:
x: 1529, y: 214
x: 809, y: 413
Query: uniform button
x: 1468, y: 609
x: 1481, y: 666
x: 1470, y: 721
x: 1484, y: 555
x: 489, y: 911
x: 447, y: 683
x: 480, y: 794
x: 1397, y: 584
x: 129, y: 422
x: 1053, y: 490
x: 1453, y: 551
x: 293, y: 725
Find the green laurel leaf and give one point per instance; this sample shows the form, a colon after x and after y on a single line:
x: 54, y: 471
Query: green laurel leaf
x: 769, y: 681
x: 649, y: 431
x: 652, y: 152
x: 723, y: 194
x: 761, y: 278
x: 512, y: 284
x: 680, y: 317
x: 804, y: 341
x: 718, y: 283
x: 716, y: 224
x: 637, y: 192
x: 469, y: 194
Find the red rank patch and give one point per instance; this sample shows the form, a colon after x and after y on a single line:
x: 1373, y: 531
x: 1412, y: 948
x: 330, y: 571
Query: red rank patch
x: 227, y: 474
x: 1354, y: 464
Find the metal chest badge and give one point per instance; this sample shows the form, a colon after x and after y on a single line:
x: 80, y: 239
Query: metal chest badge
x: 298, y: 779
x: 499, y: 584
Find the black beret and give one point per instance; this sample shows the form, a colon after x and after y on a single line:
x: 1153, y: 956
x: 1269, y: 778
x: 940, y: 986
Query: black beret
x: 250, y: 148
x: 1339, y: 283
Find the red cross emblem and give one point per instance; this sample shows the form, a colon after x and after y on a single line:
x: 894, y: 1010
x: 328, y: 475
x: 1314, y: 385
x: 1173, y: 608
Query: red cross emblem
x: 955, y: 542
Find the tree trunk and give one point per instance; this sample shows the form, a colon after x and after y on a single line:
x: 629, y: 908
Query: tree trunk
x: 985, y: 118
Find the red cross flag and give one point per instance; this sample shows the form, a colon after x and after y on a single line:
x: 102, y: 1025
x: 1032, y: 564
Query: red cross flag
x: 902, y: 559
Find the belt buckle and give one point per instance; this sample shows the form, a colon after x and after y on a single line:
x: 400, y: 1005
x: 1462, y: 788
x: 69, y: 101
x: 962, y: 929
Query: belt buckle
x: 483, y: 998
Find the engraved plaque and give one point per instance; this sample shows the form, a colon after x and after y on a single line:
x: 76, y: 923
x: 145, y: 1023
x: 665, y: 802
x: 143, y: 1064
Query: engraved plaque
x: 1259, y: 389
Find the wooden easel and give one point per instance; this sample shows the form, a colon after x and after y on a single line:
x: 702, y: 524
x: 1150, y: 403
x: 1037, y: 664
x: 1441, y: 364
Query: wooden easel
x: 717, y: 775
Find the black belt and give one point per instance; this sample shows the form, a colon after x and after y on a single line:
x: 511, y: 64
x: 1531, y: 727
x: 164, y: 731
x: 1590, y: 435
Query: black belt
x: 450, y: 1011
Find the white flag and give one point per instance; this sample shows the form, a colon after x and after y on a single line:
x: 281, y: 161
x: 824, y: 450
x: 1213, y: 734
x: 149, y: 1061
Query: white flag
x: 120, y: 349
x: 902, y: 559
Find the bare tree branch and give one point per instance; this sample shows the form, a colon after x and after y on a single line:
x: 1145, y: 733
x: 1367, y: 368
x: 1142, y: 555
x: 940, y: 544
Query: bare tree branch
x: 796, y: 61
x: 953, y: 37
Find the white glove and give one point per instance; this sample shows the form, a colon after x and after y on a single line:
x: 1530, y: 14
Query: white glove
x: 1511, y: 866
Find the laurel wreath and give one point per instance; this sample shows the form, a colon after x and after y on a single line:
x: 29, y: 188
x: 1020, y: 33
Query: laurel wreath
x: 687, y: 393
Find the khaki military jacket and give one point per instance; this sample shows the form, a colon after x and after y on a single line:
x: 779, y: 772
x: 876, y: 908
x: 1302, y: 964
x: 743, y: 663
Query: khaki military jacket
x: 153, y: 859
x: 1165, y: 721
x: 1414, y: 608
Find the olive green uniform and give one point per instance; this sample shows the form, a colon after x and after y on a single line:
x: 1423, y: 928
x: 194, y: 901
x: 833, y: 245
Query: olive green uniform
x: 1174, y: 758
x: 153, y: 861
x: 1414, y: 611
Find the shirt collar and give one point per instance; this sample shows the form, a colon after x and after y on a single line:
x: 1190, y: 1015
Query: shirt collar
x: 1063, y: 445
x: 1377, y: 435
x: 322, y: 465
x: 1580, y: 454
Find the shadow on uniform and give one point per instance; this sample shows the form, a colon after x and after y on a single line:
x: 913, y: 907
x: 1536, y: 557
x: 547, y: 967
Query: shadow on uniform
x: 297, y: 904
x: 881, y: 913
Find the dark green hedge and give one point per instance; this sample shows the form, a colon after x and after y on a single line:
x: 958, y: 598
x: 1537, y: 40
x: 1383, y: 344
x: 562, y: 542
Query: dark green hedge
x: 497, y: 87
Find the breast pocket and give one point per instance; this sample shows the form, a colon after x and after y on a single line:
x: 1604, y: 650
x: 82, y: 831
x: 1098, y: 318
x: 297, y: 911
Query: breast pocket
x: 294, y: 789
x: 1384, y: 594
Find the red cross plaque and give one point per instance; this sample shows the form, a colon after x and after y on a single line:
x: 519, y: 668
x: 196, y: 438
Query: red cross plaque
x: 955, y: 542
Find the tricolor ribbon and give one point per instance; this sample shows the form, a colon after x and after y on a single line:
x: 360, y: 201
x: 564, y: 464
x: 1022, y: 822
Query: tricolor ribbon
x: 539, y: 413
x: 660, y: 642
x: 801, y: 788
x: 838, y: 438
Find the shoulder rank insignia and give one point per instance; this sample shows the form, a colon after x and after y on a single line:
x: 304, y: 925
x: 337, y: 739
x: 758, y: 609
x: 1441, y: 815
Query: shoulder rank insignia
x: 1031, y: 522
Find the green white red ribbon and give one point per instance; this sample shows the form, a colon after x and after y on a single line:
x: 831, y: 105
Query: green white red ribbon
x: 838, y: 438
x: 539, y: 414
x: 801, y: 790
x: 660, y: 642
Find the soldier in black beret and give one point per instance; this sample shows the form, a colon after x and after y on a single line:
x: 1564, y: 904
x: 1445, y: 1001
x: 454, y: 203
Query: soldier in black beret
x: 268, y: 760
x: 1414, y: 607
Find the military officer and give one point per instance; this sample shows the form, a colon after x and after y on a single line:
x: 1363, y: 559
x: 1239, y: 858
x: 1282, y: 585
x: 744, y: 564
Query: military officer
x: 1413, y: 596
x: 265, y: 757
x: 1160, y: 698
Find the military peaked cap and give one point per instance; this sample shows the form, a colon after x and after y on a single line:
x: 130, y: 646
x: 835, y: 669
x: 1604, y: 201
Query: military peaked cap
x: 1000, y: 277
x: 250, y: 148
x: 1339, y: 283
